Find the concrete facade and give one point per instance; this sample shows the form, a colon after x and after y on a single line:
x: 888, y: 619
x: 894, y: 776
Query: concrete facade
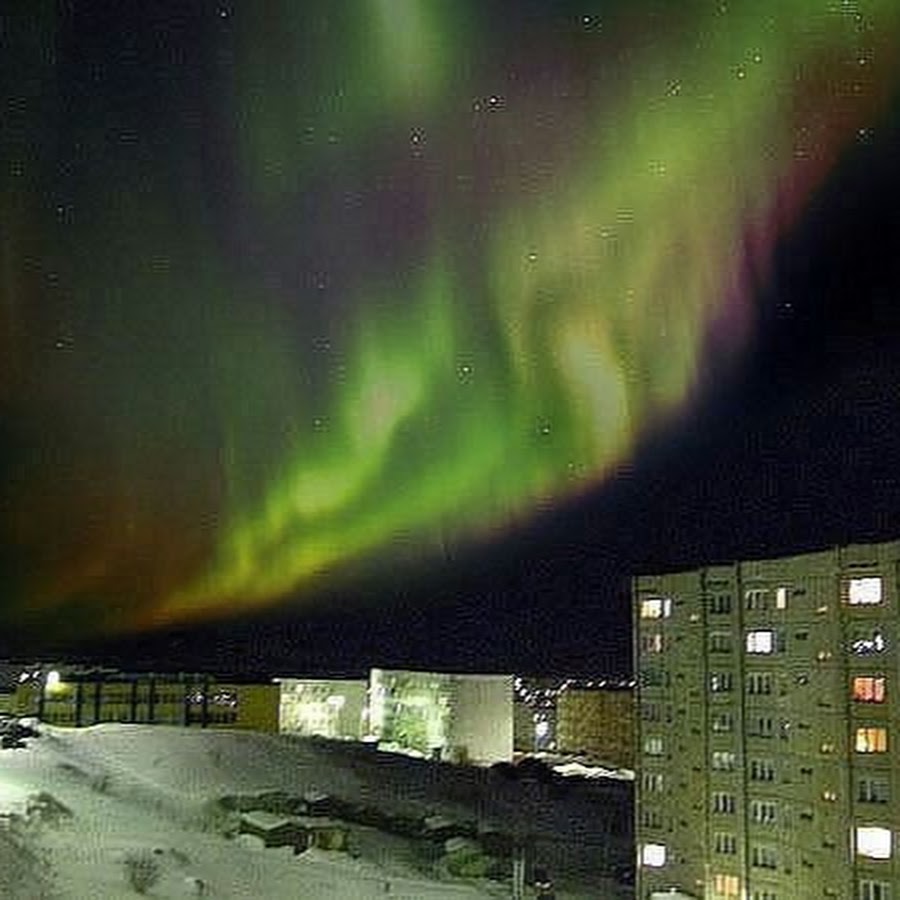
x: 767, y: 728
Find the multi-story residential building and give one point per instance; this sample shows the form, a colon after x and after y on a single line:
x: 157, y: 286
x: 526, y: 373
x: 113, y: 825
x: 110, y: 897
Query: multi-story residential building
x: 768, y: 727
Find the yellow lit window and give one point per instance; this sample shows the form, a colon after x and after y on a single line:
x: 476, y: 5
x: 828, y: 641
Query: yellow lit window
x: 871, y: 740
x: 656, y: 608
x: 726, y: 887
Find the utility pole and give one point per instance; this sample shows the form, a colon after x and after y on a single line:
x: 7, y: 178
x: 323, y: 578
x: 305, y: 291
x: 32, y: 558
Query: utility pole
x: 518, y: 870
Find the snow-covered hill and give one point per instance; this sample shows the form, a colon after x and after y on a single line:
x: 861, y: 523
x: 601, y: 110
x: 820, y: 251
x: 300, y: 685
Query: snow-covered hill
x: 135, y: 788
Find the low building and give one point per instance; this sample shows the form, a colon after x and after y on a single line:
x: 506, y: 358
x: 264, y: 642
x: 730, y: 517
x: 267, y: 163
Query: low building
x: 596, y: 721
x: 87, y: 696
x: 440, y: 715
x: 331, y: 708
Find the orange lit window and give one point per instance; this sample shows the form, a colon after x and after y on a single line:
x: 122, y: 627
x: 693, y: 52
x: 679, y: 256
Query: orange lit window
x: 871, y: 740
x: 869, y: 689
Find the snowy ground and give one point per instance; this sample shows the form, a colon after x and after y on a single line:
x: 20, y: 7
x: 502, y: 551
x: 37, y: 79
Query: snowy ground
x: 148, y: 788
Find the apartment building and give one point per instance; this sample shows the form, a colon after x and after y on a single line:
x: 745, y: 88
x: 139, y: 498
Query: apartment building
x: 768, y: 727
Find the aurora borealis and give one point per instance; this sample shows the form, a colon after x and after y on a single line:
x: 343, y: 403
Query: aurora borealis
x: 282, y: 293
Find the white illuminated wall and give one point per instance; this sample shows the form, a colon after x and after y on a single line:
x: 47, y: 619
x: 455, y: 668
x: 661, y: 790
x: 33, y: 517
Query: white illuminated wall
x: 460, y: 717
x: 481, y: 720
x: 327, y: 708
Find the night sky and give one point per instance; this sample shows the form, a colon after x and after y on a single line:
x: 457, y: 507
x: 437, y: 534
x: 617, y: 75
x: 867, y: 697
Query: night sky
x: 403, y: 332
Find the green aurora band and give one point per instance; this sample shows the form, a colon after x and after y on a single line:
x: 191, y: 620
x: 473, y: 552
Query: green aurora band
x: 533, y: 337
x: 600, y: 296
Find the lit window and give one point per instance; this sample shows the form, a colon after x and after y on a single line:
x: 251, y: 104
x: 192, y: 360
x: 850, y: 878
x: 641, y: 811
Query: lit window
x: 651, y: 643
x: 760, y: 641
x: 724, y: 760
x: 864, y: 591
x: 873, y: 841
x: 653, y: 746
x: 871, y: 740
x: 656, y: 608
x: 873, y: 890
x: 721, y: 682
x: 868, y: 688
x: 726, y: 887
x: 653, y: 855
x: 781, y: 598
